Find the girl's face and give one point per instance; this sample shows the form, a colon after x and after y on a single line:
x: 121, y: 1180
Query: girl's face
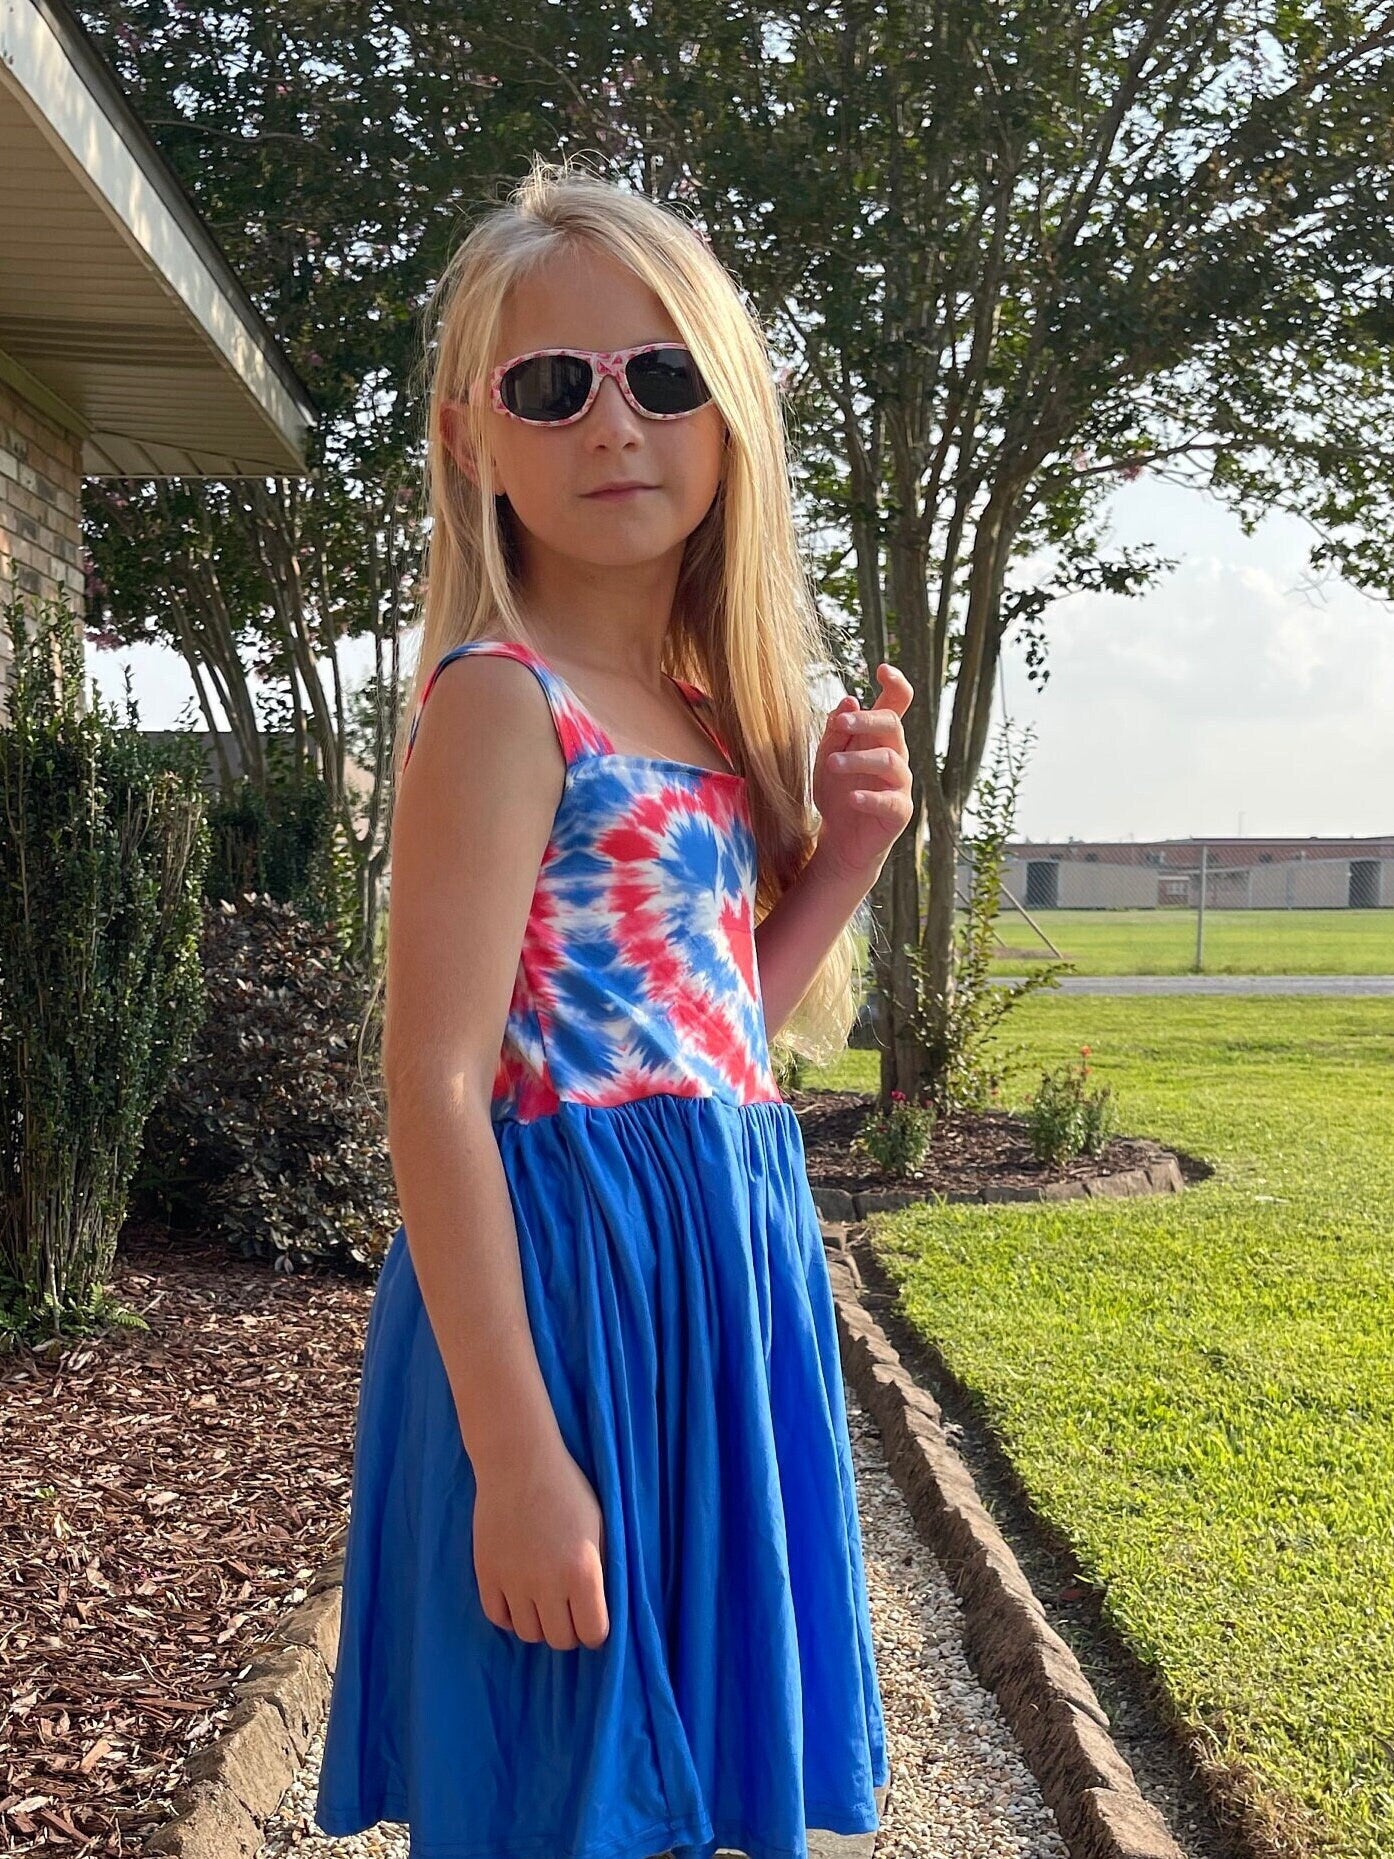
x: 585, y: 299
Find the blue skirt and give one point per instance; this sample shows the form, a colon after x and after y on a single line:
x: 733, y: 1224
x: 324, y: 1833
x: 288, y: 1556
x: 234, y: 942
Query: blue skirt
x: 679, y: 1301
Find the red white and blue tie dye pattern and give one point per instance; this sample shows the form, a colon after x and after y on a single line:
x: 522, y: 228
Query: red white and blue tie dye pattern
x: 637, y: 972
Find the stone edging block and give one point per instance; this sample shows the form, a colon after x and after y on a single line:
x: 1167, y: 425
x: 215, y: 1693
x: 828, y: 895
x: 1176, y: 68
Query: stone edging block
x: 839, y: 1206
x: 1052, y: 1709
x: 234, y: 1784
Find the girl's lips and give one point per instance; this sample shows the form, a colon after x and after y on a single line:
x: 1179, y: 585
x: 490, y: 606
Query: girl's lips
x: 626, y: 490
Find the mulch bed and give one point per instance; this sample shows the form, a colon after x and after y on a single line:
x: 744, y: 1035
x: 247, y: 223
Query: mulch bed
x: 969, y: 1150
x: 166, y: 1494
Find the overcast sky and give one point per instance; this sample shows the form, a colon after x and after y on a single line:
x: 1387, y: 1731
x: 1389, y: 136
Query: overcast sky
x: 1231, y: 698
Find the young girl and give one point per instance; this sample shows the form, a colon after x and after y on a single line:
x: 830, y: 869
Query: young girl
x: 603, y: 1586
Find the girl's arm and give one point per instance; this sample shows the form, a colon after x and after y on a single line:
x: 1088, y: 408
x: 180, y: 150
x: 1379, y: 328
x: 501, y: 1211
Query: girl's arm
x: 792, y: 940
x: 862, y: 790
x: 470, y: 830
x: 468, y: 837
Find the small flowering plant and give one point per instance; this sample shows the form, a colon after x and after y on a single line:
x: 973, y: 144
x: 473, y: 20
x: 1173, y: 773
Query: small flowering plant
x: 1066, y: 1119
x: 898, y: 1137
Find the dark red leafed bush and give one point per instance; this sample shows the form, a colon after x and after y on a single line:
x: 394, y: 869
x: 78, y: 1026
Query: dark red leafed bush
x: 271, y: 1134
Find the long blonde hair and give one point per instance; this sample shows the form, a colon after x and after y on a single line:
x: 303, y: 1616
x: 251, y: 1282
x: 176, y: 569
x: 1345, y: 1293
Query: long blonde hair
x: 745, y: 626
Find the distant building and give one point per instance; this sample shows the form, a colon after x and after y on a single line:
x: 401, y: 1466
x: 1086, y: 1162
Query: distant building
x: 1161, y: 874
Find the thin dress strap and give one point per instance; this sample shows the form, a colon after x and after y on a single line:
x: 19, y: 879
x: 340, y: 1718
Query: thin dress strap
x: 578, y: 733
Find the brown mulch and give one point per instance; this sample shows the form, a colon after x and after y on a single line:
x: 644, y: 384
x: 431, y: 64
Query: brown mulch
x: 164, y: 1495
x: 969, y: 1150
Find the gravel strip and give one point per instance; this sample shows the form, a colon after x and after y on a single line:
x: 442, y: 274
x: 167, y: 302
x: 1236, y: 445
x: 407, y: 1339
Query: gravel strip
x: 959, y: 1787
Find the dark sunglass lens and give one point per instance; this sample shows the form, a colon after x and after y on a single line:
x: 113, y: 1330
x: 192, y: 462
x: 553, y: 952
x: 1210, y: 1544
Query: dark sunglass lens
x: 547, y: 387
x: 667, y: 381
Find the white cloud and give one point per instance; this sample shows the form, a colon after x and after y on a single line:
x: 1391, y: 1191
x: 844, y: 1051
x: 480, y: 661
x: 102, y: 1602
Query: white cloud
x: 1232, y: 688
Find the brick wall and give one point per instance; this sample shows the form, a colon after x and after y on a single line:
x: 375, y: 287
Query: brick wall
x: 40, y: 492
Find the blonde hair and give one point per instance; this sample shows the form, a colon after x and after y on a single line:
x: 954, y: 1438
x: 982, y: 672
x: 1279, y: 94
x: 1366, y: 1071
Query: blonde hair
x: 745, y: 625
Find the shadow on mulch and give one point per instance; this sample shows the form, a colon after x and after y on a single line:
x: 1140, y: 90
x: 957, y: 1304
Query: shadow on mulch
x: 164, y: 1495
x: 969, y: 1150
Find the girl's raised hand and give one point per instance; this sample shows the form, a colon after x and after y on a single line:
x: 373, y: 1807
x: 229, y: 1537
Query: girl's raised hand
x: 861, y: 780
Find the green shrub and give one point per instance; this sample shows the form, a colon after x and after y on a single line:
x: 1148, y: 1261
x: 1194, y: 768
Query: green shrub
x: 102, y: 854
x: 790, y: 1068
x: 897, y: 1138
x: 966, y: 1058
x: 286, y: 843
x: 1067, y: 1120
x: 267, y: 1136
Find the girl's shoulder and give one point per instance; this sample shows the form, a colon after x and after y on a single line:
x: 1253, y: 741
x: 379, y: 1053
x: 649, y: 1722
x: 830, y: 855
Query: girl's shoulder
x: 577, y: 733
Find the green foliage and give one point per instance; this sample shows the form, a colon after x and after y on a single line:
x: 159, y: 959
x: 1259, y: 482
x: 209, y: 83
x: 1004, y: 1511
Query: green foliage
x: 1067, y: 1119
x: 789, y: 1067
x: 102, y: 854
x: 897, y: 1138
x: 286, y: 842
x: 963, y: 1071
x: 89, y: 1315
x: 265, y: 1137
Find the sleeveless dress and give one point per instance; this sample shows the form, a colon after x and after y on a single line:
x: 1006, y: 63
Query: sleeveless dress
x: 679, y: 1300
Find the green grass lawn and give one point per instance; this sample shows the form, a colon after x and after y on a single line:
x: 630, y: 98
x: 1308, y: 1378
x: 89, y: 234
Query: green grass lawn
x: 1237, y: 942
x: 1198, y: 1389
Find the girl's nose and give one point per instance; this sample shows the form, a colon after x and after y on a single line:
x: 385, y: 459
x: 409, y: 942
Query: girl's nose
x: 610, y: 408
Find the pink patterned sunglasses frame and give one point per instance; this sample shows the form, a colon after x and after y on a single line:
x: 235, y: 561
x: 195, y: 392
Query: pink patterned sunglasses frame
x: 603, y: 362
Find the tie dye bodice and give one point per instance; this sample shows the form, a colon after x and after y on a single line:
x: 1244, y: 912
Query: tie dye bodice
x: 637, y: 973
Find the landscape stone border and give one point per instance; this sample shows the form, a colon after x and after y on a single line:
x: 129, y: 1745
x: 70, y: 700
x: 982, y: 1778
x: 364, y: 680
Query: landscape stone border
x: 235, y: 1784
x: 1053, y: 1710
x: 1163, y: 1176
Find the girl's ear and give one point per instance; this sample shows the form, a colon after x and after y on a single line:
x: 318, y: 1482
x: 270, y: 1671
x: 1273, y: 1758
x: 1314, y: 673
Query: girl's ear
x: 454, y: 437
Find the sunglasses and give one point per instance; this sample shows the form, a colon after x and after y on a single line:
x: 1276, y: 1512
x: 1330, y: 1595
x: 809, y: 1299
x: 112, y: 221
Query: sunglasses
x: 553, y: 387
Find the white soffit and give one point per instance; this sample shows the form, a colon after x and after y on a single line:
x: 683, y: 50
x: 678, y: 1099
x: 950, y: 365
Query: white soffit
x: 119, y: 314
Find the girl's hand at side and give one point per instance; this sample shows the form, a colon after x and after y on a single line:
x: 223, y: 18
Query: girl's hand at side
x: 538, y: 1549
x: 861, y: 781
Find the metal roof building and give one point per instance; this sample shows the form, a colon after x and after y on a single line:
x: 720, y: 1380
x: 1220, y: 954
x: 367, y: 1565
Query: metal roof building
x: 1240, y: 874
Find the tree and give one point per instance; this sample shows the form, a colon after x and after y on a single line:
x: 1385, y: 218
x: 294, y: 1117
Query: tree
x: 1016, y: 254
x: 1008, y: 255
x: 333, y: 151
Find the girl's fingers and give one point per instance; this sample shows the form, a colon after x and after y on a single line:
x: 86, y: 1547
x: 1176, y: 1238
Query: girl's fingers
x: 835, y: 726
x: 878, y: 800
x: 866, y: 761
x: 874, y: 727
x: 896, y: 689
x: 876, y: 722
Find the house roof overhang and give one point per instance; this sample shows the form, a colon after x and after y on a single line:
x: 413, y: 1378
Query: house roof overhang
x: 120, y: 316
